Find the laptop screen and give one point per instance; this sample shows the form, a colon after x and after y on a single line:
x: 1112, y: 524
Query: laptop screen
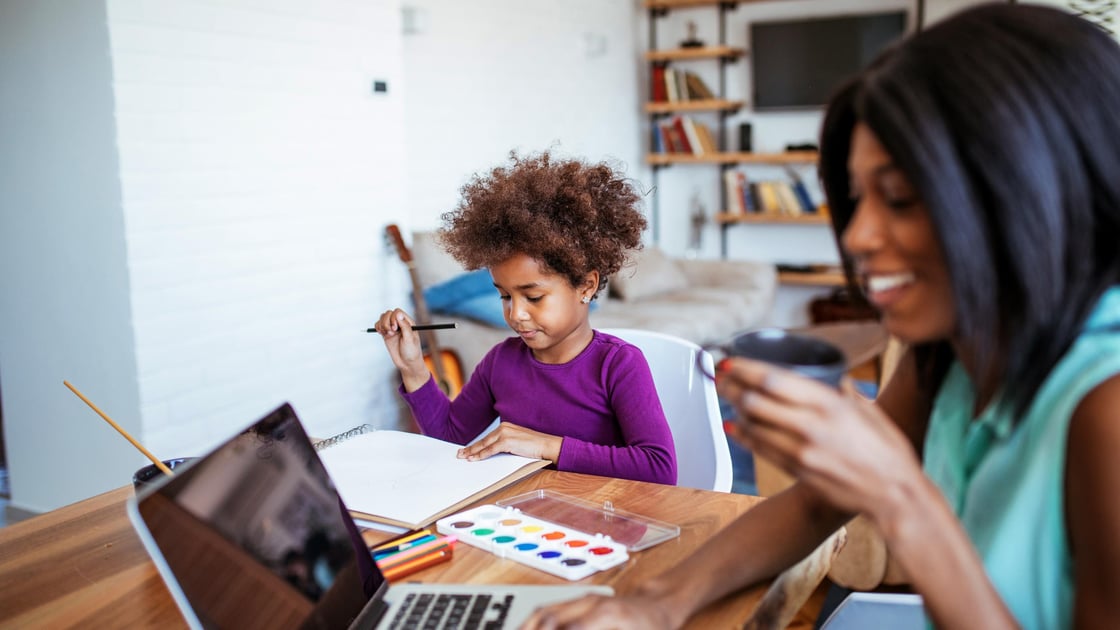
x: 256, y: 535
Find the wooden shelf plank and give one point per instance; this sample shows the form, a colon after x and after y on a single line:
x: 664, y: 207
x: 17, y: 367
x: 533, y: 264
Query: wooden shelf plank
x: 784, y: 157
x: 670, y: 4
x: 706, y: 52
x: 802, y: 219
x: 714, y: 104
x: 817, y: 278
x: 682, y: 4
x: 787, y: 157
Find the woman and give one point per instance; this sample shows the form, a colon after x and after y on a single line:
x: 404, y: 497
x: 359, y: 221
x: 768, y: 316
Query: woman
x: 973, y: 173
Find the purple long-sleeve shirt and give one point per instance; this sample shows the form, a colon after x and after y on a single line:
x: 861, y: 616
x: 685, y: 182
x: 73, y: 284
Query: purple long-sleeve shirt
x: 603, y: 403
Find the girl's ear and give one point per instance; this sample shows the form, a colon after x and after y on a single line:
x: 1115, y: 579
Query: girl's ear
x: 590, y: 284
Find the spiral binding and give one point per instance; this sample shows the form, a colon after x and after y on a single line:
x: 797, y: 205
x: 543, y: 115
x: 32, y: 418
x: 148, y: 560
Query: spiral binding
x: 342, y: 437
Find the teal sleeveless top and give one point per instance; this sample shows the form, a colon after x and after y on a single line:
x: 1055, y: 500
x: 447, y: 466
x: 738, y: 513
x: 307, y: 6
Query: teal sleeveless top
x: 1005, y: 482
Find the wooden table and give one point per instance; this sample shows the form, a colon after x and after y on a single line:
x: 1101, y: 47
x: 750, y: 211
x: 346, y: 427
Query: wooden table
x: 84, y: 565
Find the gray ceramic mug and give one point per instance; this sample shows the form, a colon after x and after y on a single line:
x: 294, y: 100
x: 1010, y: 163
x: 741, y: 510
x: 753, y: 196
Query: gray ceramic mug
x: 806, y: 355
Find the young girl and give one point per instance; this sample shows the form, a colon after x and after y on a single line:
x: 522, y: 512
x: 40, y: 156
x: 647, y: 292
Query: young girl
x: 550, y: 231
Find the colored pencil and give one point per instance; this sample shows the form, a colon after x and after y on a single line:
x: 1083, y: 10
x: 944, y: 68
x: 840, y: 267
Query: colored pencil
x: 393, y: 543
x: 408, y: 568
x: 402, y: 557
x: 155, y: 460
x: 383, y: 553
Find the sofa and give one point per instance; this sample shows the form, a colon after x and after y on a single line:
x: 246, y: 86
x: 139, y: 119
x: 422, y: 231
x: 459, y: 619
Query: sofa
x: 699, y: 300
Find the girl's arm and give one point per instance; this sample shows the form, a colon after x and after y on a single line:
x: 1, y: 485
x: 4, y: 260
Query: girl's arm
x: 648, y: 453
x: 460, y: 420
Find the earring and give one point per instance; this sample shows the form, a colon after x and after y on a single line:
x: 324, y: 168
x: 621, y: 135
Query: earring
x: 585, y: 300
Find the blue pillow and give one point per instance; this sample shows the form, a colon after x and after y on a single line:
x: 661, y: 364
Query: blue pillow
x: 472, y: 295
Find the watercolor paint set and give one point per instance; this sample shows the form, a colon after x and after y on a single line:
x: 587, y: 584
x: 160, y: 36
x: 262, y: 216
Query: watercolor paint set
x: 558, y: 534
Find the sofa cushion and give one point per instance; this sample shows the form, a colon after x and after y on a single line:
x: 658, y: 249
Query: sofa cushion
x: 653, y: 274
x: 469, y: 294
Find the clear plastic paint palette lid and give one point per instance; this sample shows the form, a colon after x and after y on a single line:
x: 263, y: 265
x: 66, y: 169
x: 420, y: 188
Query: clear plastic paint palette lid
x: 626, y: 528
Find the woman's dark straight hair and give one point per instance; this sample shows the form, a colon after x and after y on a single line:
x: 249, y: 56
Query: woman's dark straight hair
x: 1006, y: 119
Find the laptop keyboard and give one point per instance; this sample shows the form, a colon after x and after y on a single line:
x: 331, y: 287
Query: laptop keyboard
x: 428, y: 611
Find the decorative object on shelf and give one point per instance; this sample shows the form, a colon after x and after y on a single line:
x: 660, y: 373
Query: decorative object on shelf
x: 691, y: 41
x: 745, y: 137
x: 697, y: 217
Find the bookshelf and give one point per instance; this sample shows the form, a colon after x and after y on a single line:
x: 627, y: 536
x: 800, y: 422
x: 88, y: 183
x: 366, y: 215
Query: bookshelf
x: 664, y: 109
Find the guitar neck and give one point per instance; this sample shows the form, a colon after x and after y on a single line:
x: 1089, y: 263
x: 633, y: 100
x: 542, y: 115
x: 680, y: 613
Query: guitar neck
x: 431, y: 340
x: 427, y: 337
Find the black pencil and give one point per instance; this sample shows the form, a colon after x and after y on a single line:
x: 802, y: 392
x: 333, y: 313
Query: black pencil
x: 427, y: 327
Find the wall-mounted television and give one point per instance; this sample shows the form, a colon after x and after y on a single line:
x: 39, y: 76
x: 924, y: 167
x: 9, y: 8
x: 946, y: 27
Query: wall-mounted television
x: 798, y: 63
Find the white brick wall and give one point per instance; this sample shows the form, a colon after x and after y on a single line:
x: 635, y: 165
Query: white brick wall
x: 258, y: 169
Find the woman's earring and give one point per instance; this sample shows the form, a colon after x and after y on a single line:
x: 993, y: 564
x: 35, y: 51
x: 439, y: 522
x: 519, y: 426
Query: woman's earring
x: 585, y: 300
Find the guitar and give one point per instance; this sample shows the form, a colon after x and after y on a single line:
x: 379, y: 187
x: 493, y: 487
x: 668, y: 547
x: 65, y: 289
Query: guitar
x: 444, y: 364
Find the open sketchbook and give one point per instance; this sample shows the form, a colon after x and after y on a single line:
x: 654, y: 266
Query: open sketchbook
x: 411, y: 480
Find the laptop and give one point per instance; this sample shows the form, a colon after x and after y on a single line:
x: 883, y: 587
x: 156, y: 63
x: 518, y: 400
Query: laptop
x: 254, y: 535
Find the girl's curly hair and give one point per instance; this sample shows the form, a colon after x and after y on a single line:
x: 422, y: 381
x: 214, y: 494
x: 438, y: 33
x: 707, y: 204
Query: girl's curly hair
x: 570, y: 216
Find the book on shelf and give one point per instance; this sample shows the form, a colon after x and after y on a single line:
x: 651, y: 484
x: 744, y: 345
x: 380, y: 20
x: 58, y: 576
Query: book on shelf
x: 801, y: 191
x: 411, y: 480
x: 752, y: 194
x: 768, y: 198
x: 671, y: 83
x: 657, y: 83
x: 683, y: 134
x: 666, y: 138
x: 658, y: 139
x: 676, y: 134
x: 680, y: 134
x: 741, y: 193
x: 697, y: 89
x: 677, y: 86
x: 746, y: 193
x: 787, y: 199
x: 733, y: 192
x: 707, y: 141
x: 693, y: 135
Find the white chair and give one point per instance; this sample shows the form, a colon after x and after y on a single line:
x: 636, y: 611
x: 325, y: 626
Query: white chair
x: 691, y: 407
